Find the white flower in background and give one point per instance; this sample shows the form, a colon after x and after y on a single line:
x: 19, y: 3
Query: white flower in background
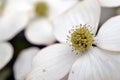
x: 6, y: 53
x: 87, y: 55
x: 6, y: 49
x: 23, y: 64
x: 12, y: 18
x: 110, y: 3
x: 39, y: 30
x: 108, y: 9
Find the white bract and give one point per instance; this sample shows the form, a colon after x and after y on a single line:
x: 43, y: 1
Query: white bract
x: 23, y: 64
x: 6, y: 53
x: 6, y: 49
x: 13, y: 18
x: 39, y: 29
x: 87, y: 55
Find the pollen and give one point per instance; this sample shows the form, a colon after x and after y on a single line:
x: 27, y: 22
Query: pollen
x: 41, y: 9
x: 81, y: 38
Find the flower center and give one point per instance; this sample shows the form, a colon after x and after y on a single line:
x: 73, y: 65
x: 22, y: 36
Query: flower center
x: 2, y: 6
x: 41, y: 9
x: 82, y: 38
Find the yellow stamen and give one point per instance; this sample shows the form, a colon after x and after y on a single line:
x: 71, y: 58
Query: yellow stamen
x: 81, y: 39
x: 41, y: 9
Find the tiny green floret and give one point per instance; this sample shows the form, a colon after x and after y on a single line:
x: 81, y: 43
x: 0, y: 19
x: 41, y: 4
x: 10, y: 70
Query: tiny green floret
x: 41, y: 9
x: 82, y: 39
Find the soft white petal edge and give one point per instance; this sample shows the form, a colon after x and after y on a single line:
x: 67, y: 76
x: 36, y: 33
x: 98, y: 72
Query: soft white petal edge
x: 6, y: 53
x: 52, y: 63
x: 109, y: 35
x: 23, y: 64
x: 110, y: 3
x: 14, y: 19
x: 82, y: 13
x: 40, y: 31
x: 96, y: 64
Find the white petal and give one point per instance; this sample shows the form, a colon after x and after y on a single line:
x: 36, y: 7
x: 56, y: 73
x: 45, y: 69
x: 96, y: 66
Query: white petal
x: 40, y: 32
x: 110, y: 3
x: 28, y: 1
x: 107, y: 13
x: 82, y: 13
x: 14, y: 19
x: 109, y: 35
x: 6, y: 53
x: 52, y: 63
x: 58, y: 7
x: 23, y: 63
x: 96, y: 65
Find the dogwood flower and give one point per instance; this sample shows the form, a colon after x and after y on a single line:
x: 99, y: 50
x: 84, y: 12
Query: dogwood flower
x: 39, y: 29
x: 88, y: 54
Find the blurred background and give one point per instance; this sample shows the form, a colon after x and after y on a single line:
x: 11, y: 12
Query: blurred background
x: 19, y: 43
